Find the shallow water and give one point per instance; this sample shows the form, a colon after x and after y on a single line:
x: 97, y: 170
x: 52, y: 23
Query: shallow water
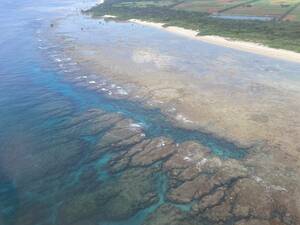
x: 42, y: 156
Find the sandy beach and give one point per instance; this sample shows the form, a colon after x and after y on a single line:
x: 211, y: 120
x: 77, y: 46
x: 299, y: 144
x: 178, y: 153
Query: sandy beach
x: 221, y: 41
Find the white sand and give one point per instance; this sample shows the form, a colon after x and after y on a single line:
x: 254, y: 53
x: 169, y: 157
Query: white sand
x: 221, y: 41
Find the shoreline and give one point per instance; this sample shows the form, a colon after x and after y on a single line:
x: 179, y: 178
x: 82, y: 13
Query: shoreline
x: 245, y: 46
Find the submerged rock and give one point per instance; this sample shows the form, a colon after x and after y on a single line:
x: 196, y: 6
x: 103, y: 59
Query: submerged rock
x: 209, y: 200
x: 195, y: 173
x: 34, y: 212
x: 122, y: 135
x: 167, y: 214
x: 115, y: 200
x: 185, y: 164
x: 254, y: 222
x: 153, y: 151
x: 118, y: 137
x: 145, y: 153
x: 56, y: 108
x: 67, y: 171
x: 92, y: 122
x: 32, y: 165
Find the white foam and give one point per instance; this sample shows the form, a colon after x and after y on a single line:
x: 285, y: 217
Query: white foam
x: 182, y: 118
x: 173, y: 109
x: 268, y: 186
x: 67, y: 59
x: 43, y: 47
x: 92, y: 82
x: 278, y: 188
x: 57, y: 59
x: 257, y: 179
x: 81, y: 77
x: 136, y: 125
x: 186, y: 158
x: 71, y: 70
x: 201, y: 163
x: 122, y: 92
x: 161, y: 144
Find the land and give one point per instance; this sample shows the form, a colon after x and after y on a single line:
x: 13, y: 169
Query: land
x: 276, y: 25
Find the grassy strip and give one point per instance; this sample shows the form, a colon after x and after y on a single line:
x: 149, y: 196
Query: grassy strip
x: 276, y: 34
x: 289, y: 11
x: 236, y: 6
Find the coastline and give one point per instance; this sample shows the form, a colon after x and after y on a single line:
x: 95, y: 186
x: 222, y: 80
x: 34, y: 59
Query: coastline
x: 123, y: 124
x: 250, y: 47
x: 247, y: 114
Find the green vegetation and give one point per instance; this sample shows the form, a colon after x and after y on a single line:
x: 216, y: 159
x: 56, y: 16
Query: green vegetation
x: 276, y: 9
x: 281, y: 32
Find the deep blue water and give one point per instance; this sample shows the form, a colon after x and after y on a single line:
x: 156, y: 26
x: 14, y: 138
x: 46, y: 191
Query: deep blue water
x: 35, y: 102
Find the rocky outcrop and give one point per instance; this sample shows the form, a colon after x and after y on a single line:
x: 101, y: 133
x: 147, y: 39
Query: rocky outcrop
x: 145, y: 153
x: 112, y: 170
